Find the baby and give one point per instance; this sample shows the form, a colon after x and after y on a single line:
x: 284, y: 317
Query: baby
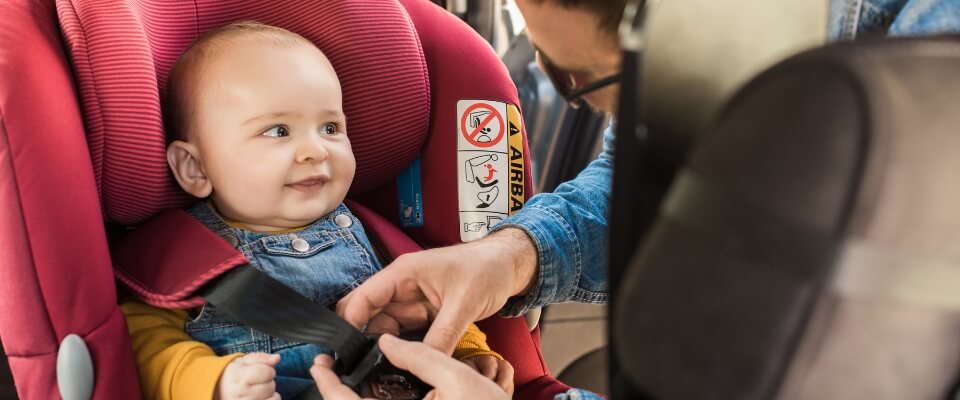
x: 256, y: 114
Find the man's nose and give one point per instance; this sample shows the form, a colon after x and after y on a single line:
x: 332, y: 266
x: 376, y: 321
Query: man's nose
x: 311, y: 149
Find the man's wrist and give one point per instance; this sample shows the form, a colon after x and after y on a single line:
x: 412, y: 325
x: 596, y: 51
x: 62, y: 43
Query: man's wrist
x: 523, y: 253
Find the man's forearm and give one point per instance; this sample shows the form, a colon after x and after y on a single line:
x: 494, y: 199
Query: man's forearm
x: 566, y: 231
x: 522, y: 251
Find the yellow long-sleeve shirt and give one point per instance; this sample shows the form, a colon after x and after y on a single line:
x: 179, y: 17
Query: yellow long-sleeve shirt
x: 173, y: 366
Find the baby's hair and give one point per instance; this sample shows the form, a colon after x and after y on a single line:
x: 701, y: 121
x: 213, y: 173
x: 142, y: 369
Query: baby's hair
x: 179, y: 107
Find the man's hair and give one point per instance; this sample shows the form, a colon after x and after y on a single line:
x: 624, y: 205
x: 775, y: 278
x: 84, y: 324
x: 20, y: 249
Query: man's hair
x: 608, y: 12
x: 180, y: 105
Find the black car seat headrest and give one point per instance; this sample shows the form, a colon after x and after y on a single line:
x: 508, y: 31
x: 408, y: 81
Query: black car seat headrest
x: 682, y: 60
x: 808, y: 248
x: 697, y: 53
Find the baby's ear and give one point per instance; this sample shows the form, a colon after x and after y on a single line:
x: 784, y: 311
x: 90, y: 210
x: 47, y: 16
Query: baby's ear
x: 184, y: 160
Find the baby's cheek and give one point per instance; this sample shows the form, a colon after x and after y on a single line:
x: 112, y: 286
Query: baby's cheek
x: 249, y: 194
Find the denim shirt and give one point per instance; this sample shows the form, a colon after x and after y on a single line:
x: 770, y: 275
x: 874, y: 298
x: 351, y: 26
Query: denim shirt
x: 569, y: 226
x: 323, y: 262
x: 851, y: 18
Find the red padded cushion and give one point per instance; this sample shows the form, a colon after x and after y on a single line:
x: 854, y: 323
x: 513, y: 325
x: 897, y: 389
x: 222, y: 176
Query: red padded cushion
x: 122, y: 51
x: 462, y: 66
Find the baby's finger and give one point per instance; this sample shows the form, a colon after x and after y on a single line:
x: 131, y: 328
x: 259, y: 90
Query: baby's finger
x: 471, y: 362
x: 487, y: 366
x: 276, y: 396
x: 258, y: 373
x: 261, y: 358
x: 262, y: 390
x: 505, y: 376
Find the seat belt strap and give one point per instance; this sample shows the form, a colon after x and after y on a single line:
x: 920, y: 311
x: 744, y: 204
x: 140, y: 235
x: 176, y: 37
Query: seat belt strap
x: 263, y: 303
x: 173, y: 260
x: 255, y: 299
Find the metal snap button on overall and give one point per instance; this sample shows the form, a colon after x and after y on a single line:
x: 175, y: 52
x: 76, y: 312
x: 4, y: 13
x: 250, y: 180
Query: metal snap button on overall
x: 299, y: 244
x: 343, y: 220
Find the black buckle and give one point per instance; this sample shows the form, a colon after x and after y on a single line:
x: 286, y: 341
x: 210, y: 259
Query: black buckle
x: 375, y: 377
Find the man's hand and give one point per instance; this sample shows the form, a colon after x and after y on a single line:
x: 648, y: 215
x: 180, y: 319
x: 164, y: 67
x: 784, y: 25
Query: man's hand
x: 250, y: 378
x: 453, y: 286
x: 495, y: 369
x: 451, y: 379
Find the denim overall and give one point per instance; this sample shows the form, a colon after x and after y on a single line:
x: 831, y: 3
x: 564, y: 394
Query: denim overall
x: 324, y: 262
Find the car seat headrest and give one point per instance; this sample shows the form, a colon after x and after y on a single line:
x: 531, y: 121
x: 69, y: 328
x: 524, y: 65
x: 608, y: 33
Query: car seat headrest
x: 122, y: 51
x: 693, y: 62
x: 814, y: 224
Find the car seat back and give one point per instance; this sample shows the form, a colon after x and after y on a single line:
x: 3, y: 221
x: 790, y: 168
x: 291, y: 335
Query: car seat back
x: 55, y: 272
x: 807, y: 248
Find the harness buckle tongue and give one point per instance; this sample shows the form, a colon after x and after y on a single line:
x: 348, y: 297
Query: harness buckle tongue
x: 374, y: 377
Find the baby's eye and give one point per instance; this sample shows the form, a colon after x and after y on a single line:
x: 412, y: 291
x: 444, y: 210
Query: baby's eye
x: 329, y: 129
x: 277, y: 131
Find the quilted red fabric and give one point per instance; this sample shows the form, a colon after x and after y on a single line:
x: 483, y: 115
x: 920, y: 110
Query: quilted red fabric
x: 55, y: 272
x: 122, y: 51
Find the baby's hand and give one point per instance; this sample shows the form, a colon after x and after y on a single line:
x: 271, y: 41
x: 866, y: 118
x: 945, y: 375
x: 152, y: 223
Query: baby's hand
x: 249, y: 378
x: 496, y: 369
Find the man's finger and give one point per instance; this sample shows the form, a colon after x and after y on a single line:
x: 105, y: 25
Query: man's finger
x: 384, y: 323
x: 327, y: 381
x: 368, y: 299
x: 447, y: 329
x: 428, y: 364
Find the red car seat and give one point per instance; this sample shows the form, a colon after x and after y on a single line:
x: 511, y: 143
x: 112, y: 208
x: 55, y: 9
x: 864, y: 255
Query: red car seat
x: 403, y: 67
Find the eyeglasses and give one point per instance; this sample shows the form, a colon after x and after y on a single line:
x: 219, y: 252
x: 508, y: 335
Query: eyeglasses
x: 565, y: 83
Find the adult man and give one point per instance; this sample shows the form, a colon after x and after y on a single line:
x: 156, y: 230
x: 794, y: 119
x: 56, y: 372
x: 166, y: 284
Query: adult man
x: 554, y: 249
x: 534, y: 249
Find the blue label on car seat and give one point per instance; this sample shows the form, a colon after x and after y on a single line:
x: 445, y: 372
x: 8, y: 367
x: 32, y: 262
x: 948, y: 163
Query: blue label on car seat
x: 410, y: 194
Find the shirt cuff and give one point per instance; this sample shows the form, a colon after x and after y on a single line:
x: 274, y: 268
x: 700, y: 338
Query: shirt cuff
x: 558, y: 255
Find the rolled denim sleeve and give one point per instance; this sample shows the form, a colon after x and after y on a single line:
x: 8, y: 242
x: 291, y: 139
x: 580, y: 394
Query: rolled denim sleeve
x: 569, y: 230
x: 577, y: 394
x: 927, y: 17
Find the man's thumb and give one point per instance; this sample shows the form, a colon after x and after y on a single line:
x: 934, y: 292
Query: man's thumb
x: 446, y: 329
x: 425, y: 362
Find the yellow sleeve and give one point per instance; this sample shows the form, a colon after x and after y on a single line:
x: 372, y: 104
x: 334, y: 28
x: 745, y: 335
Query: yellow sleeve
x: 171, y: 365
x: 472, y: 344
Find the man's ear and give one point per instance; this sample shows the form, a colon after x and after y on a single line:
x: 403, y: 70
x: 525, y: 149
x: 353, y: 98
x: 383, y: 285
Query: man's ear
x: 184, y: 160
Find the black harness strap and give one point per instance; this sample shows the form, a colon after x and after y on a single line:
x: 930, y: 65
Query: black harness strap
x: 260, y: 302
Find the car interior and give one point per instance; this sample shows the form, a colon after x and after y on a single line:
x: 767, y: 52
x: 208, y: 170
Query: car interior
x: 782, y: 210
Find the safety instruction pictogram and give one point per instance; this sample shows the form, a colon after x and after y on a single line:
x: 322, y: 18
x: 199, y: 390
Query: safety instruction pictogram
x: 490, y: 170
x: 481, y: 124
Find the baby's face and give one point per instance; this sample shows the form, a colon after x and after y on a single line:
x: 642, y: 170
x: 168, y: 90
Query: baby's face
x: 272, y: 135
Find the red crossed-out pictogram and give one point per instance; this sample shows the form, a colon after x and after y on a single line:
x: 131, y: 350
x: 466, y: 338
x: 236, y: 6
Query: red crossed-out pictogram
x: 473, y: 134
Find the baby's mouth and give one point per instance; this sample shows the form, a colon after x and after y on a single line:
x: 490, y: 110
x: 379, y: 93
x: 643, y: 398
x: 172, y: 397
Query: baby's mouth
x: 308, y: 185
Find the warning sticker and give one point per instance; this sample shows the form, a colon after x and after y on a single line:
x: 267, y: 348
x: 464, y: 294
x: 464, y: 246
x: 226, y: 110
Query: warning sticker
x: 489, y: 168
x: 515, y: 140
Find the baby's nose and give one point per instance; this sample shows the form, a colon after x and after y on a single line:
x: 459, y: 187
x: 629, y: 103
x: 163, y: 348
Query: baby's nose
x: 312, y: 150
